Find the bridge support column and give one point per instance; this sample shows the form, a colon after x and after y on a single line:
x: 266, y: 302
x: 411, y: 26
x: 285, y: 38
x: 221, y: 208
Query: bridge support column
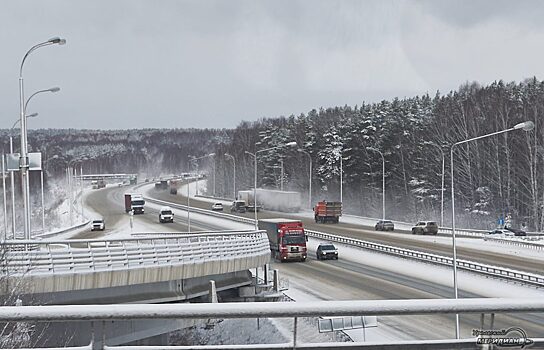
x: 276, y: 280
x: 212, y: 296
x: 266, y: 273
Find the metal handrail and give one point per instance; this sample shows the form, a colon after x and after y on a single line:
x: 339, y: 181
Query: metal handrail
x: 51, y: 313
x: 99, y: 255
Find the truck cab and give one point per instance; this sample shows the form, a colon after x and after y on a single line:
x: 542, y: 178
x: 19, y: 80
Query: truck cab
x: 286, y: 237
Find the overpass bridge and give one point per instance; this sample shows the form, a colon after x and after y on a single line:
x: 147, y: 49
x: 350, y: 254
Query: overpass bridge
x: 163, y: 268
x: 90, y: 177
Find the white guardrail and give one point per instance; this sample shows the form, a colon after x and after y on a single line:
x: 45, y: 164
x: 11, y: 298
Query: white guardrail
x: 490, y: 270
x: 78, y: 255
x: 102, y: 315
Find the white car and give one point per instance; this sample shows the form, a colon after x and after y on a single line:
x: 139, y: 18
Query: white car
x: 98, y: 225
x: 166, y: 215
x: 217, y: 207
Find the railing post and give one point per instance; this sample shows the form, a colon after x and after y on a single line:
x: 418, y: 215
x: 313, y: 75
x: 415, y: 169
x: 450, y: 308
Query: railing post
x: 212, y: 296
x: 266, y: 273
x: 295, y: 333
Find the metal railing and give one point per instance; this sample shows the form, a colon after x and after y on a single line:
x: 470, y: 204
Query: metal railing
x: 102, y: 313
x: 468, y: 265
x: 78, y: 255
x: 490, y: 270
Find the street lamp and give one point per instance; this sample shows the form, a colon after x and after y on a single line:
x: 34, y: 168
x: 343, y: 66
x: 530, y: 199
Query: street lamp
x: 11, y: 177
x: 254, y: 155
x: 310, y: 190
x: 195, y: 159
x: 383, y: 179
x: 23, y: 162
x: 234, y: 173
x: 442, y: 187
x: 526, y: 126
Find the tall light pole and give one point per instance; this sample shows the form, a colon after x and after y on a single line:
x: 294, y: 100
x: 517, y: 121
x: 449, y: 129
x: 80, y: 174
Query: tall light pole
x: 310, y: 177
x: 442, y: 187
x: 12, y: 179
x: 383, y: 179
x: 341, y: 180
x: 53, y: 90
x: 234, y: 174
x: 42, y: 197
x: 23, y: 162
x: 526, y: 126
x: 254, y: 155
x: 196, y: 159
x: 4, y: 199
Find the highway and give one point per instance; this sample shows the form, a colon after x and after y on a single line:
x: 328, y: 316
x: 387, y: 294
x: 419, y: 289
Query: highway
x: 347, y: 279
x: 403, y: 240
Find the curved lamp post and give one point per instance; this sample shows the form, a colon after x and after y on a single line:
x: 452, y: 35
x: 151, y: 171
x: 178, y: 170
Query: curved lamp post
x: 441, y: 188
x: 11, y: 177
x: 310, y: 189
x: 526, y: 126
x: 254, y: 155
x: 234, y: 174
x: 23, y: 162
x: 383, y: 179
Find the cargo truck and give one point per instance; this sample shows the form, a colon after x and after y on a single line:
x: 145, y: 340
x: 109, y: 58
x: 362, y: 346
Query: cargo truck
x: 327, y: 212
x: 286, y: 237
x: 285, y: 201
x: 134, y: 202
x: 247, y: 197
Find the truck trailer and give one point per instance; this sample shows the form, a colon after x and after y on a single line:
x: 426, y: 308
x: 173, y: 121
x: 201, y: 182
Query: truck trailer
x: 134, y: 202
x: 327, y: 212
x: 286, y: 237
x: 285, y: 201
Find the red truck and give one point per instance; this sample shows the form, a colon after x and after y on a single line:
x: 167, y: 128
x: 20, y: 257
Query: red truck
x: 327, y: 212
x: 287, y: 238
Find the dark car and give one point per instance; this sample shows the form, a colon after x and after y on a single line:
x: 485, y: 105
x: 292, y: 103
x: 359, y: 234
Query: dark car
x: 517, y: 232
x: 384, y: 225
x: 326, y: 251
x: 238, y: 206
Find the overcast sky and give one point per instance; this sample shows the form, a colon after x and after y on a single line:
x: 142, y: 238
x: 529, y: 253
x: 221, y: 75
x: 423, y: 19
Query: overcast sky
x: 166, y: 64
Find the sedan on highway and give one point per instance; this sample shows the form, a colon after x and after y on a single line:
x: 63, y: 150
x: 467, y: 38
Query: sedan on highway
x: 217, y: 207
x: 501, y: 231
x: 517, y: 232
x: 326, y: 251
x: 384, y: 225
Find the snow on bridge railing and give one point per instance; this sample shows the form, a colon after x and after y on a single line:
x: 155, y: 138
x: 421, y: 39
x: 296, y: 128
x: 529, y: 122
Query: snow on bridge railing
x: 80, y: 255
x: 102, y: 315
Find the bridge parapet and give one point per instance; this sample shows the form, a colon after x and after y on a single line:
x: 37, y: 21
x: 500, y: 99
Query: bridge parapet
x: 64, y: 265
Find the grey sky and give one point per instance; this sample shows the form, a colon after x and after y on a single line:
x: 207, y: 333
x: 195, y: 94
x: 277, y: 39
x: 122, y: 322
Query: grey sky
x: 166, y: 64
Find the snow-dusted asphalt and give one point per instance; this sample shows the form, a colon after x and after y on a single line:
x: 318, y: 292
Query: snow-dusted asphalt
x: 358, y: 274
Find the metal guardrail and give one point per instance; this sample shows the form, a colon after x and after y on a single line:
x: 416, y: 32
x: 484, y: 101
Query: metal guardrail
x: 53, y: 233
x: 102, y: 313
x: 468, y: 265
x: 490, y: 270
x: 68, y: 256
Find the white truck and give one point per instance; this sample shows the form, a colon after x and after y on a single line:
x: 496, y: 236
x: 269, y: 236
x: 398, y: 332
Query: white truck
x: 285, y: 201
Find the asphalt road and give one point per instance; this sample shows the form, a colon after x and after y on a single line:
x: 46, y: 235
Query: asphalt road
x: 402, y: 240
x: 348, y: 280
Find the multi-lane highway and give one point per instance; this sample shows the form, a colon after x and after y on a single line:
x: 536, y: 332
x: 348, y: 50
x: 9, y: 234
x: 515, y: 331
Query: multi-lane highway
x: 355, y: 277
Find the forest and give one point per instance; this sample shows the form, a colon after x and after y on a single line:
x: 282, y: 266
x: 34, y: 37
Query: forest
x: 494, y: 177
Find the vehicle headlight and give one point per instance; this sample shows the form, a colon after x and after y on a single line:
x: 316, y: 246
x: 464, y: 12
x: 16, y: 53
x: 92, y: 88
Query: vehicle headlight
x: 323, y: 253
